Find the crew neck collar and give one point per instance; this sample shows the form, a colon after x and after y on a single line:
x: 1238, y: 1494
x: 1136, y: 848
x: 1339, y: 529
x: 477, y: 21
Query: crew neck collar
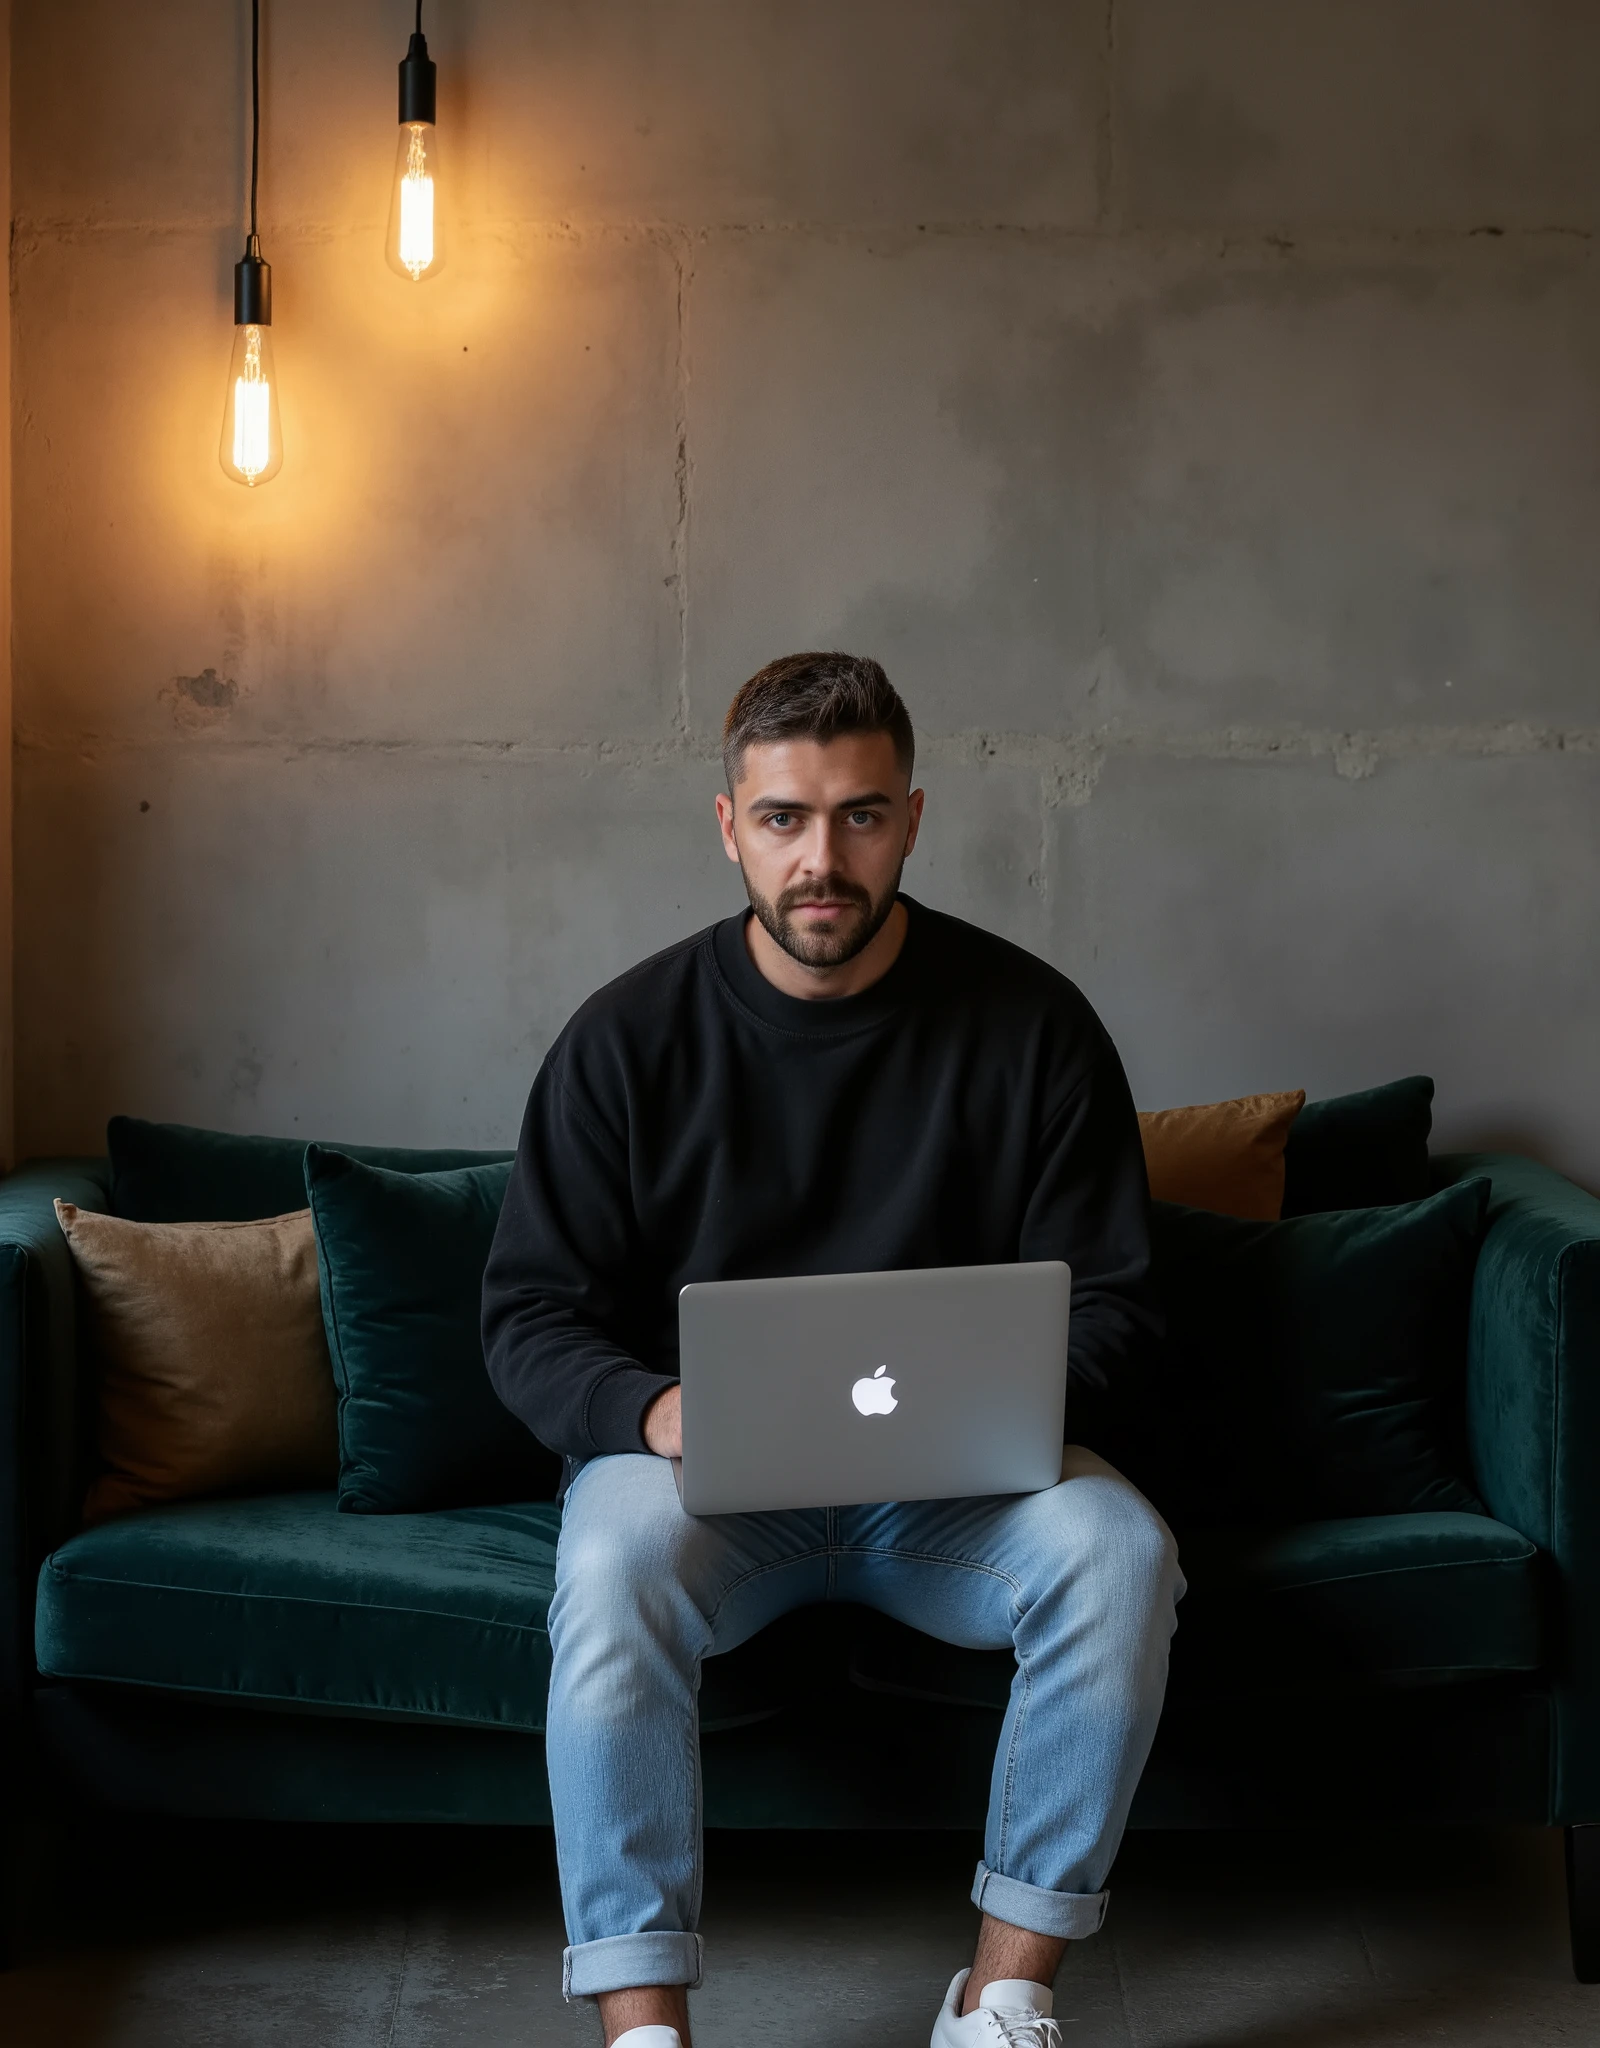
x: 826, y: 1017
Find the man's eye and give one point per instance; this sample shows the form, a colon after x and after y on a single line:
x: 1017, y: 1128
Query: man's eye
x: 777, y: 817
x: 863, y: 817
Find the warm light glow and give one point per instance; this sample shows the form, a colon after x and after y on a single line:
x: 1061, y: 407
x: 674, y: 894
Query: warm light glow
x: 416, y: 208
x: 252, y: 441
x: 415, y: 243
x: 252, y: 412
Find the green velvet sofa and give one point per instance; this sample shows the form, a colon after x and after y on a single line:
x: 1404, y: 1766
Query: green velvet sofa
x: 275, y: 1658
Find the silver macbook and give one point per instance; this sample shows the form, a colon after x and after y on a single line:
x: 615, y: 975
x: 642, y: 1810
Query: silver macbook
x: 850, y: 1387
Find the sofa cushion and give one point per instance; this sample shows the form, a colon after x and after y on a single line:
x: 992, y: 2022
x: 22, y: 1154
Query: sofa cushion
x: 1360, y: 1151
x: 1391, y: 1599
x: 1226, y: 1156
x: 211, y: 1363
x: 174, y: 1173
x: 402, y: 1258
x: 283, y: 1601
x: 1314, y: 1367
x: 1377, y: 1600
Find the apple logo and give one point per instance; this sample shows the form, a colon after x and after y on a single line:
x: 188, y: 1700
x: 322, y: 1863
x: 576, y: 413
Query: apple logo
x: 875, y: 1396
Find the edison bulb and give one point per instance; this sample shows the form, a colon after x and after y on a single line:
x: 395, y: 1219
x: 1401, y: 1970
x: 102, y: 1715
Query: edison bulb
x: 252, y: 435
x: 416, y: 240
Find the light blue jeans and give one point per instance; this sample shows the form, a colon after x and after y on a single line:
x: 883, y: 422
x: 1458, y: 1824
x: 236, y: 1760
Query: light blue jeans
x: 1080, y: 1581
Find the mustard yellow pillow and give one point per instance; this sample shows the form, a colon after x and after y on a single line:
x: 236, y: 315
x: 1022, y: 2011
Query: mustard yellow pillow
x: 1226, y: 1156
x: 213, y: 1366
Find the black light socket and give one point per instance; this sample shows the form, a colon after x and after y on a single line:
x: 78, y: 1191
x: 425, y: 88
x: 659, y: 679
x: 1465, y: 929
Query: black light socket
x: 419, y: 82
x: 252, y: 288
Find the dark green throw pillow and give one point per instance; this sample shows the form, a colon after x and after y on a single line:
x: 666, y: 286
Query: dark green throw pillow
x: 401, y: 1258
x: 1314, y: 1367
x: 176, y: 1173
x: 1357, y: 1151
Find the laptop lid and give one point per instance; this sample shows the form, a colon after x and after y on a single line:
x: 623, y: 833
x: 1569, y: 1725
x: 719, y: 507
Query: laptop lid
x: 840, y: 1388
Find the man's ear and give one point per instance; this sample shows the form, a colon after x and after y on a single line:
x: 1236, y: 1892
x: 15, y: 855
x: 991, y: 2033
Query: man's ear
x: 730, y: 844
x: 914, y: 806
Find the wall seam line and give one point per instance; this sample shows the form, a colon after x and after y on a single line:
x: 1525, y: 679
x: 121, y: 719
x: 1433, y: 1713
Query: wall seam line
x: 1107, y: 164
x: 1067, y: 757
x: 684, y: 473
x: 1220, y: 236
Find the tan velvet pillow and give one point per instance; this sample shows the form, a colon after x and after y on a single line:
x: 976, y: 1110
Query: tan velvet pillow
x: 214, y: 1371
x: 1226, y: 1156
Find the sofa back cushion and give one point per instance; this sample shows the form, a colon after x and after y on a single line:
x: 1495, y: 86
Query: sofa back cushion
x: 1226, y: 1156
x: 173, y: 1173
x: 1360, y: 1151
x: 1313, y: 1367
x: 402, y: 1258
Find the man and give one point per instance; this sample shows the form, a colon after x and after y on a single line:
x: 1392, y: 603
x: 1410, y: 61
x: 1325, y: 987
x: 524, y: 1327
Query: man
x: 839, y: 1081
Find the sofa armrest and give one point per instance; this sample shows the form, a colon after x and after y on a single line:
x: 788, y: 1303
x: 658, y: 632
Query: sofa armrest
x: 40, y: 1439
x: 1533, y: 1423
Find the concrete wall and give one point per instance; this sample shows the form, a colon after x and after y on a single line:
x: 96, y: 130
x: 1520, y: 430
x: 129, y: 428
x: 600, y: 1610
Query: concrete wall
x: 7, y: 1006
x: 1196, y: 406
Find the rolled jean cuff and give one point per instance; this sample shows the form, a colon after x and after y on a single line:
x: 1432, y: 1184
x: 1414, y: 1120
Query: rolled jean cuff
x: 1069, y: 1916
x: 622, y: 1961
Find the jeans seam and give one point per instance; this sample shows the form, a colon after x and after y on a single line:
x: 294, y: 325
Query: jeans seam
x: 831, y: 1549
x: 961, y: 1564
x: 1009, y: 1784
x: 696, y: 1804
x: 758, y: 1571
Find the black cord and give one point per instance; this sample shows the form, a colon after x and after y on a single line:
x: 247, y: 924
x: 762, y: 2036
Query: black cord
x: 419, y: 17
x: 255, y: 106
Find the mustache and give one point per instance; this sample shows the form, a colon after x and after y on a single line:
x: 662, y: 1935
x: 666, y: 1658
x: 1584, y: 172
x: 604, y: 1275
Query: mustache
x: 831, y: 889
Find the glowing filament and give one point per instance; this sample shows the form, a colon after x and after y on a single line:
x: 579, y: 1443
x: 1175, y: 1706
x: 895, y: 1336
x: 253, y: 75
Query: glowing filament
x: 416, y: 208
x: 252, y: 412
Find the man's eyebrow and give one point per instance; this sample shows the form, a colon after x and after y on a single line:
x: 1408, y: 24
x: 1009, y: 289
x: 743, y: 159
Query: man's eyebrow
x: 786, y: 803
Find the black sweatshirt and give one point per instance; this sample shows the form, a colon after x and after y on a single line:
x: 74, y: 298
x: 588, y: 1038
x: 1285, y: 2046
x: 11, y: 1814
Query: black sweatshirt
x: 692, y: 1122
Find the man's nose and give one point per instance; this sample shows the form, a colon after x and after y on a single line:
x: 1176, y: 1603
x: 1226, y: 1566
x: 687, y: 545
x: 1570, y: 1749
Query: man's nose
x: 819, y: 847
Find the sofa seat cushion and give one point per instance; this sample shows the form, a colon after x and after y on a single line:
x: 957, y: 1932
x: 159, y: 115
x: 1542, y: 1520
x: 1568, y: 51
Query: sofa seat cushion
x: 1386, y: 1600
x: 283, y: 1601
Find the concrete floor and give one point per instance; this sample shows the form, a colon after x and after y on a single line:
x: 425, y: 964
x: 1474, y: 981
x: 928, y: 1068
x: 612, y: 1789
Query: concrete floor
x: 163, y: 1936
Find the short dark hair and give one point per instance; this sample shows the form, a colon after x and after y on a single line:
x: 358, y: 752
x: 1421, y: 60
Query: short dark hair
x: 814, y: 697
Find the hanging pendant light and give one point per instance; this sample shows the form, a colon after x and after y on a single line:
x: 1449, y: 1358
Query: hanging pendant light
x: 415, y: 246
x: 251, y: 450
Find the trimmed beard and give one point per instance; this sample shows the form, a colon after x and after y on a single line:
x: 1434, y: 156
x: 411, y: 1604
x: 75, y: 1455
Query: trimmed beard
x: 824, y: 949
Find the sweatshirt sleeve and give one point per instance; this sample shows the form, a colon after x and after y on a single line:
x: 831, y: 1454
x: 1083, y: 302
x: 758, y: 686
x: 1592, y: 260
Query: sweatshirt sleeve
x: 556, y: 1289
x: 1090, y: 1205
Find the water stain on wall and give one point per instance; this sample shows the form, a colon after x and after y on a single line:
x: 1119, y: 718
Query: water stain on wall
x: 212, y: 692
x: 201, y: 702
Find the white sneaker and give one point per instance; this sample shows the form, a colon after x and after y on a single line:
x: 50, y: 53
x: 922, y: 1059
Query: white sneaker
x: 648, y: 2037
x: 1011, y: 2013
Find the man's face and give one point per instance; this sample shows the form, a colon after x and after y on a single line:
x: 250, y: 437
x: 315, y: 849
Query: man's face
x: 821, y: 830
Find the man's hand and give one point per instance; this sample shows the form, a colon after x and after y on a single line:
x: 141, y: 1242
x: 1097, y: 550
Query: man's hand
x: 663, y: 1424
